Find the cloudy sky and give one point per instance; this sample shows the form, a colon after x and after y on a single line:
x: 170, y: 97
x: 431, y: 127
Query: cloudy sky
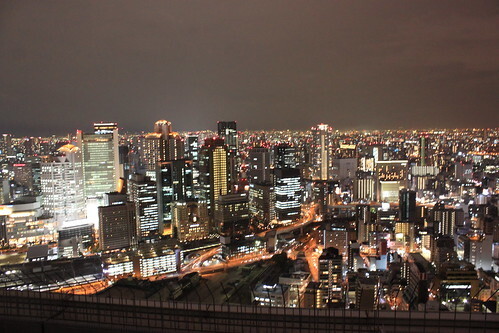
x: 267, y: 64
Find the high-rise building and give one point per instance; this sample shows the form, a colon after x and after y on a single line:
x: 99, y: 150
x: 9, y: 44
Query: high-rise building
x: 227, y: 130
x: 62, y: 185
x: 284, y: 156
x: 214, y: 172
x: 190, y: 220
x: 174, y: 181
x: 447, y: 219
x: 322, y: 151
x: 330, y: 277
x: 259, y: 165
x: 100, y: 156
x: 117, y: 226
x: 144, y: 194
x: 407, y: 205
x: 366, y: 293
x: 232, y: 216
x: 288, y: 193
x: 262, y: 201
x: 364, y: 186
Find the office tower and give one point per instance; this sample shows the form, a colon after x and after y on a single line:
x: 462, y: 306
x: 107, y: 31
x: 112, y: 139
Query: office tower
x: 175, y: 147
x: 75, y: 240
x: 476, y: 248
x: 153, y: 151
x: 190, y: 220
x: 232, y: 216
x: 192, y: 153
x: 124, y: 162
x: 364, y: 186
x: 174, y: 181
x: 405, y: 233
x: 227, y: 130
x: 288, y: 193
x: 262, y: 201
x: 407, y: 205
x: 214, y: 172
x: 284, y: 156
x: 458, y: 284
x: 117, y: 226
x: 322, y: 151
x: 62, y: 185
x: 143, y: 193
x: 330, y: 278
x: 392, y: 177
x: 259, y: 165
x: 447, y: 219
x: 24, y: 176
x: 100, y: 154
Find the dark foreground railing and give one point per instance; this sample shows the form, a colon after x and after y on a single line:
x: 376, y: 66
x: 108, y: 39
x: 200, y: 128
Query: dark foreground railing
x: 53, y: 312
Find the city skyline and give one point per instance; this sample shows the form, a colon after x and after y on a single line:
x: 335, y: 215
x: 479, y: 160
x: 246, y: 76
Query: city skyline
x: 268, y: 65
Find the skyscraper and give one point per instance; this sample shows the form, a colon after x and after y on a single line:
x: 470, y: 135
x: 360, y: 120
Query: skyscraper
x: 62, y: 185
x: 174, y: 181
x: 288, y: 192
x: 322, y: 151
x: 214, y: 172
x: 100, y: 154
x: 117, y: 226
x: 407, y: 205
x: 259, y: 165
x: 284, y: 156
x: 143, y: 193
x: 227, y: 130
x: 232, y: 216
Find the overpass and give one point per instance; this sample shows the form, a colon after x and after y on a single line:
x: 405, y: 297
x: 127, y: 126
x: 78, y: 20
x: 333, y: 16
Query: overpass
x: 52, y: 312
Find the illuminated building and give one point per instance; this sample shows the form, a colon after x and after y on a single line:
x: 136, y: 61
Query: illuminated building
x: 261, y: 201
x: 27, y: 175
x: 214, y: 173
x: 117, y: 226
x: 364, y: 186
x: 288, y: 192
x: 392, y: 177
x: 143, y: 193
x: 297, y: 283
x: 424, y: 158
x: 270, y: 294
x: 75, y: 239
x: 232, y: 215
x: 284, y: 156
x: 151, y: 263
x: 447, y: 219
x: 62, y: 185
x: 404, y: 233
x: 259, y: 165
x: 192, y: 153
x: 322, y: 151
x: 174, y: 181
x: 100, y: 156
x: 23, y: 222
x: 334, y: 236
x: 363, y: 214
x: 6, y: 146
x: 456, y: 284
x: 330, y: 278
x: 463, y: 171
x: 190, y: 220
x: 227, y: 130
x: 476, y: 249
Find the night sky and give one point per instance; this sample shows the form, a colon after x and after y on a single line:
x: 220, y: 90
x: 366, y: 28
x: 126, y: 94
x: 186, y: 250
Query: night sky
x: 267, y: 64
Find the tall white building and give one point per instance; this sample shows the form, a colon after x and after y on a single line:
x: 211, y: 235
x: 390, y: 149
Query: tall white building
x: 321, y: 151
x: 62, y: 185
